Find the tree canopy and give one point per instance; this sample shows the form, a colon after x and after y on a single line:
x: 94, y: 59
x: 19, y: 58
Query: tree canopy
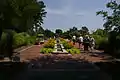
x: 112, y: 26
x: 23, y: 14
x: 113, y: 20
x: 20, y: 16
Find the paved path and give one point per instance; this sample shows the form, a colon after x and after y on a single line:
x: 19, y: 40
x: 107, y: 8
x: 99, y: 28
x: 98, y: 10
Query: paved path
x: 96, y: 55
x: 60, y: 61
x: 34, y: 52
x: 30, y: 52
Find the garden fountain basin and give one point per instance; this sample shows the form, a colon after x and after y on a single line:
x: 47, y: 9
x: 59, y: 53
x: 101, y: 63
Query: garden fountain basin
x: 62, y: 51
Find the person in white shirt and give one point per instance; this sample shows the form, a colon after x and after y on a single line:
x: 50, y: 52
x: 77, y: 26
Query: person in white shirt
x: 74, y: 39
x: 92, y: 43
x: 80, y: 41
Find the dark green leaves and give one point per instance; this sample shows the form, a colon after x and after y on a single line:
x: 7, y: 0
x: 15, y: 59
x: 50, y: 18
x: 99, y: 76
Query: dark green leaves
x: 112, y: 20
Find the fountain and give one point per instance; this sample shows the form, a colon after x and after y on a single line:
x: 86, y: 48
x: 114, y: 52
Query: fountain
x: 59, y: 48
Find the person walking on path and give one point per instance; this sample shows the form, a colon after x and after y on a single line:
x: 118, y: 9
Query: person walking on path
x: 80, y: 41
x: 74, y: 39
x: 86, y: 43
x: 92, y: 43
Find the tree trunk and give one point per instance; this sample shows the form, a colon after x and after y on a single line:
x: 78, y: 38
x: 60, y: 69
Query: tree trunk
x: 0, y: 33
x: 0, y: 41
x: 9, y: 47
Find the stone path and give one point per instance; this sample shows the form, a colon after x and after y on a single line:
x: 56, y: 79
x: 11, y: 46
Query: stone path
x: 30, y: 53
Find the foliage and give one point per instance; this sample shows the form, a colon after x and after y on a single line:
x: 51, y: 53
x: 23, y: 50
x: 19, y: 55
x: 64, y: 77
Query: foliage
x: 58, y: 32
x: 101, y: 38
x: 74, y: 31
x: 50, y: 43
x: 100, y: 32
x: 112, y: 20
x: 62, y: 39
x: 23, y: 16
x: 67, y: 45
x: 66, y: 35
x: 46, y: 50
x: 100, y: 42
x: 48, y: 46
x: 21, y: 39
x: 112, y: 26
x: 48, y: 33
x: 113, y: 46
x: 73, y: 51
x: 84, y: 30
x: 30, y: 40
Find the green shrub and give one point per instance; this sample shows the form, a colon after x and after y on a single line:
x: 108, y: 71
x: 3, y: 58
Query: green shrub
x: 100, y: 42
x: 6, y: 42
x: 22, y: 39
x: 30, y: 40
x: 113, y: 46
x: 67, y: 45
x: 46, y: 50
x: 19, y: 40
x: 73, y: 51
x: 50, y: 44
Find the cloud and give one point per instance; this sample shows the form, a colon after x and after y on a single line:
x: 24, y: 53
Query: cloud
x: 55, y: 11
x: 69, y: 13
x: 65, y: 12
x: 118, y: 1
x: 67, y: 9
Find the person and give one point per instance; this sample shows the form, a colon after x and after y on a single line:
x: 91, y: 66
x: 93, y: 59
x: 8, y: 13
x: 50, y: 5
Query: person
x: 80, y: 41
x: 74, y: 40
x: 86, y: 42
x: 92, y: 43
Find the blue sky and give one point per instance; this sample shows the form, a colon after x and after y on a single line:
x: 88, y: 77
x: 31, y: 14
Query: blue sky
x: 65, y: 14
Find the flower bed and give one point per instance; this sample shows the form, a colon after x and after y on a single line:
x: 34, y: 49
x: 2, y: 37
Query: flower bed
x: 48, y: 47
x: 73, y: 51
x: 46, y: 50
x: 50, y: 43
x: 68, y: 46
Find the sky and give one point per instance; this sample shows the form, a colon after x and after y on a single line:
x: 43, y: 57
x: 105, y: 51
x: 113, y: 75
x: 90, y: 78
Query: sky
x: 64, y: 14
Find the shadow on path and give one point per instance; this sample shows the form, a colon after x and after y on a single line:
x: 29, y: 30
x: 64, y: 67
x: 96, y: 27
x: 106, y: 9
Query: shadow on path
x: 52, y: 68
x: 111, y: 68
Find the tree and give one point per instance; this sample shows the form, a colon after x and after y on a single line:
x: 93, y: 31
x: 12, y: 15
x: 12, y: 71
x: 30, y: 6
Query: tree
x: 84, y: 30
x: 58, y: 32
x: 100, y: 32
x: 48, y: 33
x: 112, y: 26
x: 67, y: 35
x: 112, y: 20
x: 73, y: 29
x: 23, y: 15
